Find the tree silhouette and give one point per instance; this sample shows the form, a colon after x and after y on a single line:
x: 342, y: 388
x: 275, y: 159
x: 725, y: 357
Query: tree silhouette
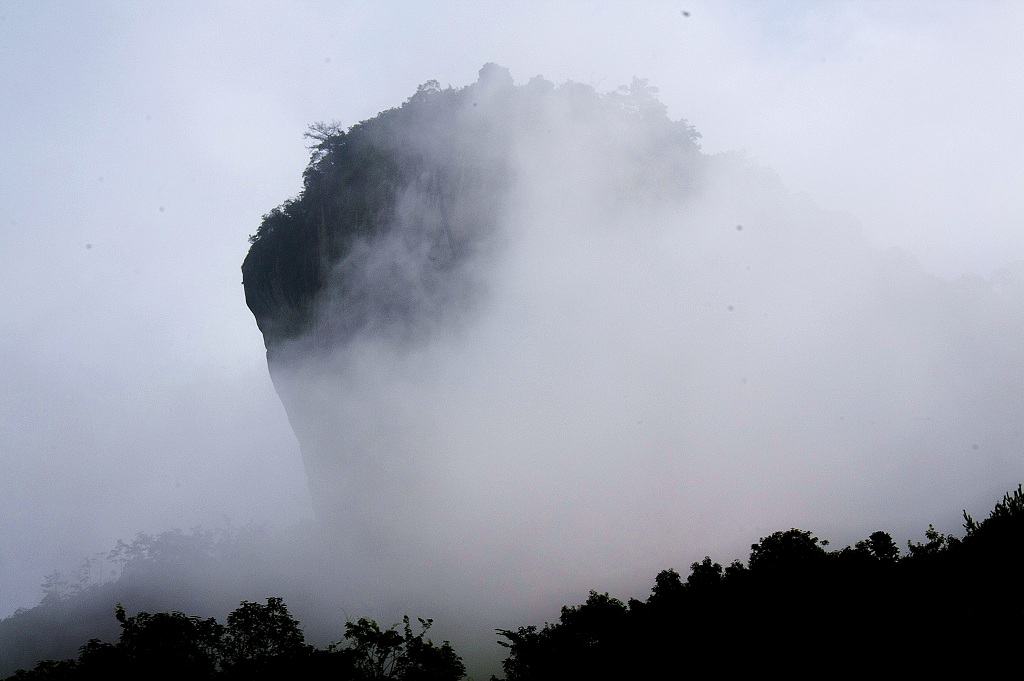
x: 880, y: 546
x: 182, y: 645
x: 377, y: 653
x: 795, y: 606
x: 789, y: 551
x: 256, y: 633
x: 260, y: 641
x: 667, y: 586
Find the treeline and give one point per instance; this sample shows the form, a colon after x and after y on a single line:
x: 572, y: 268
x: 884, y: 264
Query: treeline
x: 795, y: 606
x: 194, y: 571
x: 258, y: 641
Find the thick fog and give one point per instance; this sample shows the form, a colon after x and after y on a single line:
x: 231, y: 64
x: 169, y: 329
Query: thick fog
x: 825, y: 336
x: 665, y: 356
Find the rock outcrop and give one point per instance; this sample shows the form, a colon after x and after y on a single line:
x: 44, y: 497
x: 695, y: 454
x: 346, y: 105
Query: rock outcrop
x: 488, y: 303
x: 390, y: 211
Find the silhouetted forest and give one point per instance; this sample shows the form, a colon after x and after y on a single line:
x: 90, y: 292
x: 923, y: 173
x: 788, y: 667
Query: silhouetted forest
x: 794, y: 606
x: 800, y: 608
x: 258, y: 641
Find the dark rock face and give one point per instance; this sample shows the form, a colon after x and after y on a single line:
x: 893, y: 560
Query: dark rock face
x: 401, y: 217
x: 394, y: 210
x: 390, y: 212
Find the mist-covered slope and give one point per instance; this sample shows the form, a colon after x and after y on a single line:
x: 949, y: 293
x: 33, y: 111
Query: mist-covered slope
x: 791, y: 593
x: 533, y: 340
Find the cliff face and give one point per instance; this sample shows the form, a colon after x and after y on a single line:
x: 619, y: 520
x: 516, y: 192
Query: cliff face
x: 496, y: 305
x: 394, y: 210
x: 402, y: 218
x: 390, y: 211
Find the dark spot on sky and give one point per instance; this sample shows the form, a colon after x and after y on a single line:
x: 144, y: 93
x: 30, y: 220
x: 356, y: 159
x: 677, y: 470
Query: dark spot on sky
x: 161, y: 209
x: 743, y: 380
x: 975, y: 446
x: 327, y: 60
x: 748, y: 267
x: 474, y: 103
x: 730, y: 308
x: 88, y: 247
x: 685, y: 13
x: 739, y: 228
x: 148, y: 117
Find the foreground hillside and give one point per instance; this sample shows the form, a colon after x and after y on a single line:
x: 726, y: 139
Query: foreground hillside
x: 794, y: 606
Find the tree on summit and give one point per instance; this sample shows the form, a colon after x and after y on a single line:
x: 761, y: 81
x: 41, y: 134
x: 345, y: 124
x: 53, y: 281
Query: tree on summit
x: 705, y: 574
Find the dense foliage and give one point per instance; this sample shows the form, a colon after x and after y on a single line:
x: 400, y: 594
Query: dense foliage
x: 796, y: 607
x: 353, y: 191
x: 194, y: 570
x: 259, y: 641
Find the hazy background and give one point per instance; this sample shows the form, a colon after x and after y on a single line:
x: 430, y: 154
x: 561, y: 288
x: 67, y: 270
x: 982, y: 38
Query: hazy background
x: 142, y: 143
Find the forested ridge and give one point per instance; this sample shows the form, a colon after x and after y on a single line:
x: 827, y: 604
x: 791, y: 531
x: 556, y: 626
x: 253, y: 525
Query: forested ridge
x: 258, y: 641
x: 795, y: 606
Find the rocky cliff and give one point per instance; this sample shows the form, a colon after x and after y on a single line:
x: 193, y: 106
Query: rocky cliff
x: 390, y: 212
x: 497, y: 305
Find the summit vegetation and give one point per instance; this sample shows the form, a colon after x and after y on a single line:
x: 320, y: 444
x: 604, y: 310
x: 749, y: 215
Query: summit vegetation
x: 394, y: 207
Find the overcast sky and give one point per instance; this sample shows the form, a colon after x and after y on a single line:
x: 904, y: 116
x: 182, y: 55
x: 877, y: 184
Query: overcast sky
x: 142, y: 142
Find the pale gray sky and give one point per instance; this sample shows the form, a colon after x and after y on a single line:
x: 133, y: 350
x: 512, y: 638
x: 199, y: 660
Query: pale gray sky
x: 143, y: 141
